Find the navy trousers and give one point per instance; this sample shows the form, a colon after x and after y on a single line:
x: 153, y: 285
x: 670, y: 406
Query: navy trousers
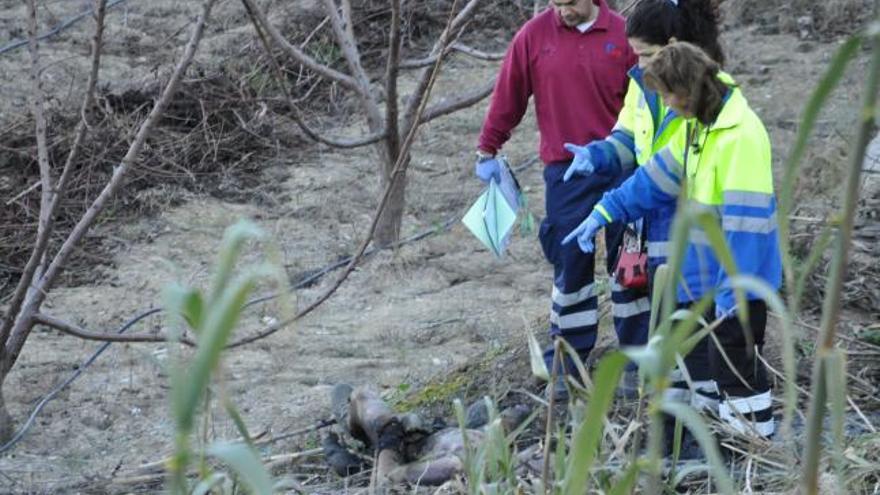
x: 574, y: 313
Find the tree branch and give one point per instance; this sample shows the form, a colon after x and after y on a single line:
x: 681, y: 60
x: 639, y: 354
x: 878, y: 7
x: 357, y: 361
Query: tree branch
x: 37, y: 107
x: 457, y: 47
x: 447, y: 37
x: 71, y: 329
x: 34, y: 267
x: 348, y: 44
x: 23, y: 325
x: 297, y: 117
x: 391, y: 72
x: 446, y: 107
x: 297, y: 54
x: 399, y: 169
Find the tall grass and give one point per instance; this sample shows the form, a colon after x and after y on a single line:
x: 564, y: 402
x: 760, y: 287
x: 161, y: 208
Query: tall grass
x: 212, y: 317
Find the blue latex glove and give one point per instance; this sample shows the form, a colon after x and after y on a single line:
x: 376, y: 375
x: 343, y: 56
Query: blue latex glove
x: 586, y: 231
x: 581, y: 164
x: 487, y: 169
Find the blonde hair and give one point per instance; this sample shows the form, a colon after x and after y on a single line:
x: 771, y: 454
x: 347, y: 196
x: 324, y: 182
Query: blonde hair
x: 687, y: 71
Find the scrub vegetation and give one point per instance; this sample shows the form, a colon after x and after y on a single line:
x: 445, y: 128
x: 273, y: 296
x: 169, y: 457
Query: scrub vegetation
x: 254, y: 111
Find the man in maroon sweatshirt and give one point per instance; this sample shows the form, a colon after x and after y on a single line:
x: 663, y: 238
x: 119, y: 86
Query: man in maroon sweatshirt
x: 573, y: 60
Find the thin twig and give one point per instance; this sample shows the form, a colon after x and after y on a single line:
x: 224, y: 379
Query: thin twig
x: 839, y: 335
x: 348, y: 45
x: 294, y: 111
x: 71, y: 329
x: 455, y: 47
x: 456, y: 104
x: 399, y: 168
x: 24, y: 324
x: 23, y: 193
x: 297, y: 54
x: 446, y: 38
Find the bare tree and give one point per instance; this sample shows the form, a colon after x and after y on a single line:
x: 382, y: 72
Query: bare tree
x: 390, y: 121
x: 43, y: 267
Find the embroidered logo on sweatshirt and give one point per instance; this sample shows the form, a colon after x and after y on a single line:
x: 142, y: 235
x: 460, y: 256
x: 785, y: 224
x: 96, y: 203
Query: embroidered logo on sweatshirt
x: 613, y: 50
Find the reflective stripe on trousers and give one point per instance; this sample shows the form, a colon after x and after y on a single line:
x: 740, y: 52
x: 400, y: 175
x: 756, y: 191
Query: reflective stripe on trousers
x: 752, y: 414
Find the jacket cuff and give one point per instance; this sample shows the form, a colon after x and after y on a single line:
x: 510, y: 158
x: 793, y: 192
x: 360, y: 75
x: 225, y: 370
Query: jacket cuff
x: 604, y: 213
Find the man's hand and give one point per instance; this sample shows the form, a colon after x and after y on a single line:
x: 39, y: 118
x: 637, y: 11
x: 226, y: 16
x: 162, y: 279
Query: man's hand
x: 487, y: 168
x: 581, y: 164
x: 586, y: 231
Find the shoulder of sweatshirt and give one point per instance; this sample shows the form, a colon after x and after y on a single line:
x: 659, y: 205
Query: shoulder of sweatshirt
x: 537, y: 25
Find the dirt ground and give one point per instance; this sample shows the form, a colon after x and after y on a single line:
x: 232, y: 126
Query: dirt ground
x: 402, y: 317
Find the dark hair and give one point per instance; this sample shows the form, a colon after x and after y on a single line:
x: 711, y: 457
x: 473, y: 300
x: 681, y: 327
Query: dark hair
x: 686, y: 70
x: 694, y: 21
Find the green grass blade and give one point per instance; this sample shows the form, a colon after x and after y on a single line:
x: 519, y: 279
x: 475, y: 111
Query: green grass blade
x: 691, y: 419
x: 246, y: 465
x: 774, y: 302
x: 648, y: 358
x: 219, y: 324
x: 578, y: 363
x: 627, y: 482
x: 820, y: 245
x: 660, y: 276
x: 536, y: 358
x: 835, y: 377
x: 207, y: 485
x: 588, y: 434
x: 234, y: 239
x: 682, y: 330
x: 238, y: 421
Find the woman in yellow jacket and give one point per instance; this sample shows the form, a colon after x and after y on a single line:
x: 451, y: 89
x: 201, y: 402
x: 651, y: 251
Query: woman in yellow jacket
x: 722, y: 158
x: 644, y: 126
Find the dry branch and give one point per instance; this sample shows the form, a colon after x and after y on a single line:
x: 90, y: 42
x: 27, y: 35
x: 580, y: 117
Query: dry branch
x: 71, y: 329
x: 294, y: 111
x: 297, y: 54
x: 457, y: 47
x: 450, y: 106
x: 24, y: 319
x: 446, y: 38
x: 392, y: 69
x: 38, y: 108
x: 397, y: 171
x: 50, y: 199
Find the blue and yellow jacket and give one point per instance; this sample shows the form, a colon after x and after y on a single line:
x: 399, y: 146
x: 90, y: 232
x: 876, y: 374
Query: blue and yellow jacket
x: 729, y: 173
x: 644, y: 127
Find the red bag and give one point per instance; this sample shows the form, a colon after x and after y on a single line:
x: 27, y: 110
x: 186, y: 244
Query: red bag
x: 631, y: 269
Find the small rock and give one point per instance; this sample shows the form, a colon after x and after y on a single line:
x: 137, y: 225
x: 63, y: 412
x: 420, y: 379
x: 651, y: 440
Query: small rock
x: 804, y: 47
x: 98, y: 420
x: 477, y: 414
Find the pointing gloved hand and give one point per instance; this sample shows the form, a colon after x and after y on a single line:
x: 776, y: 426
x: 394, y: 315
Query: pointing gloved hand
x: 588, y: 159
x: 586, y: 231
x: 488, y: 168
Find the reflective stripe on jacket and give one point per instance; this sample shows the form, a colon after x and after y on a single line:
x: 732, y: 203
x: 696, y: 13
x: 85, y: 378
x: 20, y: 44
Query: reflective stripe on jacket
x: 729, y: 174
x: 645, y: 125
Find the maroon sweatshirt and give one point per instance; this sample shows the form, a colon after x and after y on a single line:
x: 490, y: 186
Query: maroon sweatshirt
x: 578, y: 81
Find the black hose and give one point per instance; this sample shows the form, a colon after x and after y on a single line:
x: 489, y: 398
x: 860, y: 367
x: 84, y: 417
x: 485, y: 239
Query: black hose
x: 57, y: 29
